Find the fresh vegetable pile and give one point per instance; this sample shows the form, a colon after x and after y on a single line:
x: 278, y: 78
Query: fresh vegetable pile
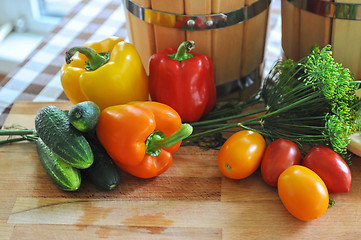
x: 303, y: 184
x: 138, y: 137
x: 298, y: 140
x: 67, y: 148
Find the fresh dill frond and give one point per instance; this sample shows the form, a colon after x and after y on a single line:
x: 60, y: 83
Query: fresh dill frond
x: 311, y: 102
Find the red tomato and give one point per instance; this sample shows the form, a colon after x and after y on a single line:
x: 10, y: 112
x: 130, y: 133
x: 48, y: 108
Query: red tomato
x: 303, y: 193
x: 333, y: 170
x: 279, y: 155
x: 241, y: 154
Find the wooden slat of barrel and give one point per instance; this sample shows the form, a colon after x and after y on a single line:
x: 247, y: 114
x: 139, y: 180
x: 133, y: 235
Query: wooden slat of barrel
x: 202, y: 38
x: 166, y: 37
x: 141, y: 34
x: 314, y: 29
x: 227, y: 44
x: 290, y: 30
x: 254, y: 40
x: 346, y: 42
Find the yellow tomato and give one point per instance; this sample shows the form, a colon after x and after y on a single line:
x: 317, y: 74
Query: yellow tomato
x: 241, y: 154
x: 303, y: 193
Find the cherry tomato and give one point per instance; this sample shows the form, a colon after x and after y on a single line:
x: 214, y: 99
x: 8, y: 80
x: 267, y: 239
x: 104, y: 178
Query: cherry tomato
x: 303, y: 193
x: 279, y: 155
x: 333, y: 170
x: 241, y: 154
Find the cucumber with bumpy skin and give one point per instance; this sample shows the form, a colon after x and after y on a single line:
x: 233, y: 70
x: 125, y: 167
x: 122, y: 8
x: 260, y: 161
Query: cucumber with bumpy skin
x: 63, y: 175
x: 53, y: 127
x: 103, y: 173
x: 84, y: 116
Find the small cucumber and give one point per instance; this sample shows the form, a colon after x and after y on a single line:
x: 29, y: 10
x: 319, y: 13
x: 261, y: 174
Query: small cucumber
x: 84, y: 116
x: 103, y: 173
x: 63, y: 175
x: 53, y: 127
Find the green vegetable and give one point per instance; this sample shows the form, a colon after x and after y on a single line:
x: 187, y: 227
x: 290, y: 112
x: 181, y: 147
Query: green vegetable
x: 84, y: 116
x: 63, y: 175
x: 103, y: 173
x: 312, y: 101
x: 53, y: 127
x: 21, y: 135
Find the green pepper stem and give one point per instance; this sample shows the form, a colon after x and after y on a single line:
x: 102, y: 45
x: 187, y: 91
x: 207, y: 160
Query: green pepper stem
x: 156, y: 141
x: 181, y: 53
x: 95, y: 60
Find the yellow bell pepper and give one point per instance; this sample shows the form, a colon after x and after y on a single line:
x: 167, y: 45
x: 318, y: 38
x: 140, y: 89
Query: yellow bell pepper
x: 108, y: 72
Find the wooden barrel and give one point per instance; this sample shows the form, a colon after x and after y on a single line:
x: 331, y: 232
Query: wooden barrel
x: 308, y: 22
x: 231, y: 32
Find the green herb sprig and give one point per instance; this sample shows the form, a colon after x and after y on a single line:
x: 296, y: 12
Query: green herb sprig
x: 311, y: 102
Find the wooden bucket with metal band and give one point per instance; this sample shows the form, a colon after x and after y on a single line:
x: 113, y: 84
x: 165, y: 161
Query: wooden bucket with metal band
x: 231, y: 32
x: 308, y: 22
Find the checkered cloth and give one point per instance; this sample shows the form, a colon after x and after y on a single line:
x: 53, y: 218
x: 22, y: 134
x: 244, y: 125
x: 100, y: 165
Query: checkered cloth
x: 38, y: 77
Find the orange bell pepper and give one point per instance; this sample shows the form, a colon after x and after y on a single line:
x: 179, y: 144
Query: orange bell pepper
x: 141, y: 137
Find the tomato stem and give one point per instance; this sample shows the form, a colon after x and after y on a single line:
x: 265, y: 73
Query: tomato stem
x: 228, y: 167
x: 331, y: 202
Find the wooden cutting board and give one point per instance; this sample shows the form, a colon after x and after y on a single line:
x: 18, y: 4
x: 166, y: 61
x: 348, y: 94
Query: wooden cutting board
x: 190, y: 201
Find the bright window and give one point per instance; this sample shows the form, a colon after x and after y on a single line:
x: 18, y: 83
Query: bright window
x: 23, y: 23
x: 38, y: 16
x: 57, y: 8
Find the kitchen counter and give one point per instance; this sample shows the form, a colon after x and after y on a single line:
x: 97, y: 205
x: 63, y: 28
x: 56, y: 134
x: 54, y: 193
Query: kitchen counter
x: 192, y: 200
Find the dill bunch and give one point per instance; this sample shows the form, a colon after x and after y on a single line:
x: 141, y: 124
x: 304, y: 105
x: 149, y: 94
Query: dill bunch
x: 309, y: 102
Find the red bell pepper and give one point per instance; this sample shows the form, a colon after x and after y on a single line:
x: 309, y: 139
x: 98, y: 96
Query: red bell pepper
x: 183, y: 80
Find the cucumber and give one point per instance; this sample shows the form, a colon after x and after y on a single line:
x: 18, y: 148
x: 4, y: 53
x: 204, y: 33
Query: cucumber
x: 63, y: 175
x: 103, y: 173
x: 84, y: 116
x: 53, y: 127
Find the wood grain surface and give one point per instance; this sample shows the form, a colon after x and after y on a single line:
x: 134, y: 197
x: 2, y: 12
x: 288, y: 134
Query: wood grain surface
x: 190, y: 201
